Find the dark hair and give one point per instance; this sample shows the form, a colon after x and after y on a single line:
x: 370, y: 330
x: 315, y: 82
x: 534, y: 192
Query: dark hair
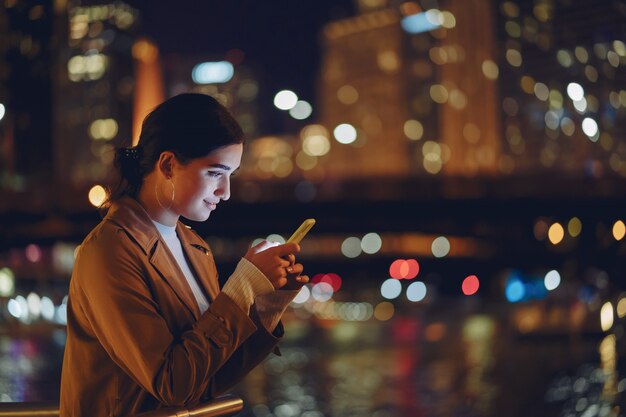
x: 189, y: 125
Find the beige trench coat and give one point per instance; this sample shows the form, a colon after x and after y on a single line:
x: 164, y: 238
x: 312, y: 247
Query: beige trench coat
x: 136, y: 340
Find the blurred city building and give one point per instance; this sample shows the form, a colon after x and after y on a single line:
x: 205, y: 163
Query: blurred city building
x: 227, y: 77
x: 66, y: 88
x: 28, y: 44
x: 93, y: 90
x: 467, y: 88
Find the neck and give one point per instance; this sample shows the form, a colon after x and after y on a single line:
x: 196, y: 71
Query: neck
x: 159, y: 212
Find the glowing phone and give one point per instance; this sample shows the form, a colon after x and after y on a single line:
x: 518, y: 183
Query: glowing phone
x: 301, y: 231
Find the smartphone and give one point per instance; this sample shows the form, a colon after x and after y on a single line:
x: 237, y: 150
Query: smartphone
x: 301, y: 231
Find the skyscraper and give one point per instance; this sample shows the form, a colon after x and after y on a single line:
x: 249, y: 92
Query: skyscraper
x: 94, y: 91
x: 466, y: 88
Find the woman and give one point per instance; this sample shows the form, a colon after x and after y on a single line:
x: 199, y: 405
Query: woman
x: 148, y: 325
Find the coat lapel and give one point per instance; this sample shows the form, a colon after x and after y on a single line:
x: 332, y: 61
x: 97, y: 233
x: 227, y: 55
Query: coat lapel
x: 166, y: 265
x: 201, y: 260
x: 130, y: 215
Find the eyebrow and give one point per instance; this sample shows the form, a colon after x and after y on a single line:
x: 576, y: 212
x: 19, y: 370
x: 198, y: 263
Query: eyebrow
x: 221, y: 166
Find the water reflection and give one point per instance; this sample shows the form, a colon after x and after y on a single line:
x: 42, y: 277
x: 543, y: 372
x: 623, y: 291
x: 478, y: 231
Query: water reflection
x: 452, y: 359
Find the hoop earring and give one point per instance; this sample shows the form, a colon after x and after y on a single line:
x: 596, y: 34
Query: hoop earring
x: 156, y: 194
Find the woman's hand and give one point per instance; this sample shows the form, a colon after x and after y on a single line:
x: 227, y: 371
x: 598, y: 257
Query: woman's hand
x: 277, y: 262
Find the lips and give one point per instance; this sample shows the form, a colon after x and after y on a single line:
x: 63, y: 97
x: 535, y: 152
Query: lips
x: 211, y: 206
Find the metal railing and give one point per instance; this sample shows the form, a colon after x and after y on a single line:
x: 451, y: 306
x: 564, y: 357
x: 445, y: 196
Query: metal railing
x: 225, y: 406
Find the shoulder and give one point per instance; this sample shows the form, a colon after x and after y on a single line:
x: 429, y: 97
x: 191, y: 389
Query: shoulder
x: 107, y: 250
x: 106, y: 236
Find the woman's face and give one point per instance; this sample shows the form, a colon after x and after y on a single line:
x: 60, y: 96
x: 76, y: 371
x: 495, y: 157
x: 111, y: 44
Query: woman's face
x: 203, y: 182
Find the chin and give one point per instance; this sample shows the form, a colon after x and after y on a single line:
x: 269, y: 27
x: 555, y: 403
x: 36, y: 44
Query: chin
x: 197, y: 217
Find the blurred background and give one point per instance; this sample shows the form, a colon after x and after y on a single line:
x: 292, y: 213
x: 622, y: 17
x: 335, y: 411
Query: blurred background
x: 465, y: 161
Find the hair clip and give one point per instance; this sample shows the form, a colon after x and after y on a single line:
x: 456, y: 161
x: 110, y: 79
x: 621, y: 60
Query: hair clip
x: 133, y: 152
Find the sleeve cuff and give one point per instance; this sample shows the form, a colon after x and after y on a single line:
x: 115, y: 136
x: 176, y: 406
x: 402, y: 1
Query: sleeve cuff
x: 271, y: 307
x: 245, y: 284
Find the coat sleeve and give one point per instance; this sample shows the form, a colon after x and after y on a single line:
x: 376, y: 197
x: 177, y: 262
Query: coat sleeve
x: 252, y: 352
x: 123, y: 316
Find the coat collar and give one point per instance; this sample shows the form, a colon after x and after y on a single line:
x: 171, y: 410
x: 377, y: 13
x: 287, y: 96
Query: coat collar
x: 128, y: 214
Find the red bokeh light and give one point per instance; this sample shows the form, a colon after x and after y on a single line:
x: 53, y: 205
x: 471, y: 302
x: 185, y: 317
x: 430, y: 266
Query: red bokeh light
x: 404, y: 269
x: 331, y: 279
x: 470, y: 285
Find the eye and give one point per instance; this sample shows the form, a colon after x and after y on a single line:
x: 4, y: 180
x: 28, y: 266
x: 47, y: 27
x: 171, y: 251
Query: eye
x: 215, y: 174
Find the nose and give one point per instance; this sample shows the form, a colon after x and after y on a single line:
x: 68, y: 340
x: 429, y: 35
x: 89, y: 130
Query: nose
x: 223, y: 191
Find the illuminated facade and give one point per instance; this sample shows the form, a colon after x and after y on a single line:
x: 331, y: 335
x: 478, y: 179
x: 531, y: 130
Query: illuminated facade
x: 226, y: 78
x: 363, y: 88
x: 94, y: 91
x: 417, y: 97
x: 26, y: 55
x: 476, y: 88
x: 563, y: 81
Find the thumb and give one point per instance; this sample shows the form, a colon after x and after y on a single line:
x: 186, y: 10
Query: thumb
x: 261, y: 246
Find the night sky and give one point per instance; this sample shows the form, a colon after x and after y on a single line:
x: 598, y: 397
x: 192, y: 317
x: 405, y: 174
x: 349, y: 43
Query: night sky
x: 283, y: 37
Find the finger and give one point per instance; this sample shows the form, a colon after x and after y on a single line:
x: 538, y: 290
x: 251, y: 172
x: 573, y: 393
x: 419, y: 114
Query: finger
x: 286, y: 249
x: 295, y: 269
x: 283, y: 263
x: 289, y: 258
x: 303, y: 279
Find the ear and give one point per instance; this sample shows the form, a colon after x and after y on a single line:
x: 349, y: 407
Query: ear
x: 165, y: 164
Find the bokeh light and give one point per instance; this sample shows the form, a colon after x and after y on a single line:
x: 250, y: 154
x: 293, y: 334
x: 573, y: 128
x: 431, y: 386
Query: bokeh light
x: 556, y: 233
x: 33, y: 253
x: 351, y: 247
x: 331, y: 279
x: 552, y: 280
x: 490, y: 69
x: 384, y: 311
x: 413, y: 129
x: 416, y: 291
x: 301, y: 110
x: 371, y: 243
x: 347, y: 94
x: 97, y: 195
x: 276, y: 238
x: 470, y: 285
x: 212, y: 72
x: 47, y: 308
x: 440, y: 247
x: 303, y: 295
x: 7, y: 282
x: 574, y: 227
x: 575, y: 91
x: 434, y: 332
x: 606, y: 316
x: 285, y: 100
x: 619, y: 230
x: 621, y: 307
x: 590, y: 128
x: 322, y: 291
x: 391, y: 288
x: 345, y: 133
x: 514, y: 290
x: 404, y: 269
x: 316, y: 145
